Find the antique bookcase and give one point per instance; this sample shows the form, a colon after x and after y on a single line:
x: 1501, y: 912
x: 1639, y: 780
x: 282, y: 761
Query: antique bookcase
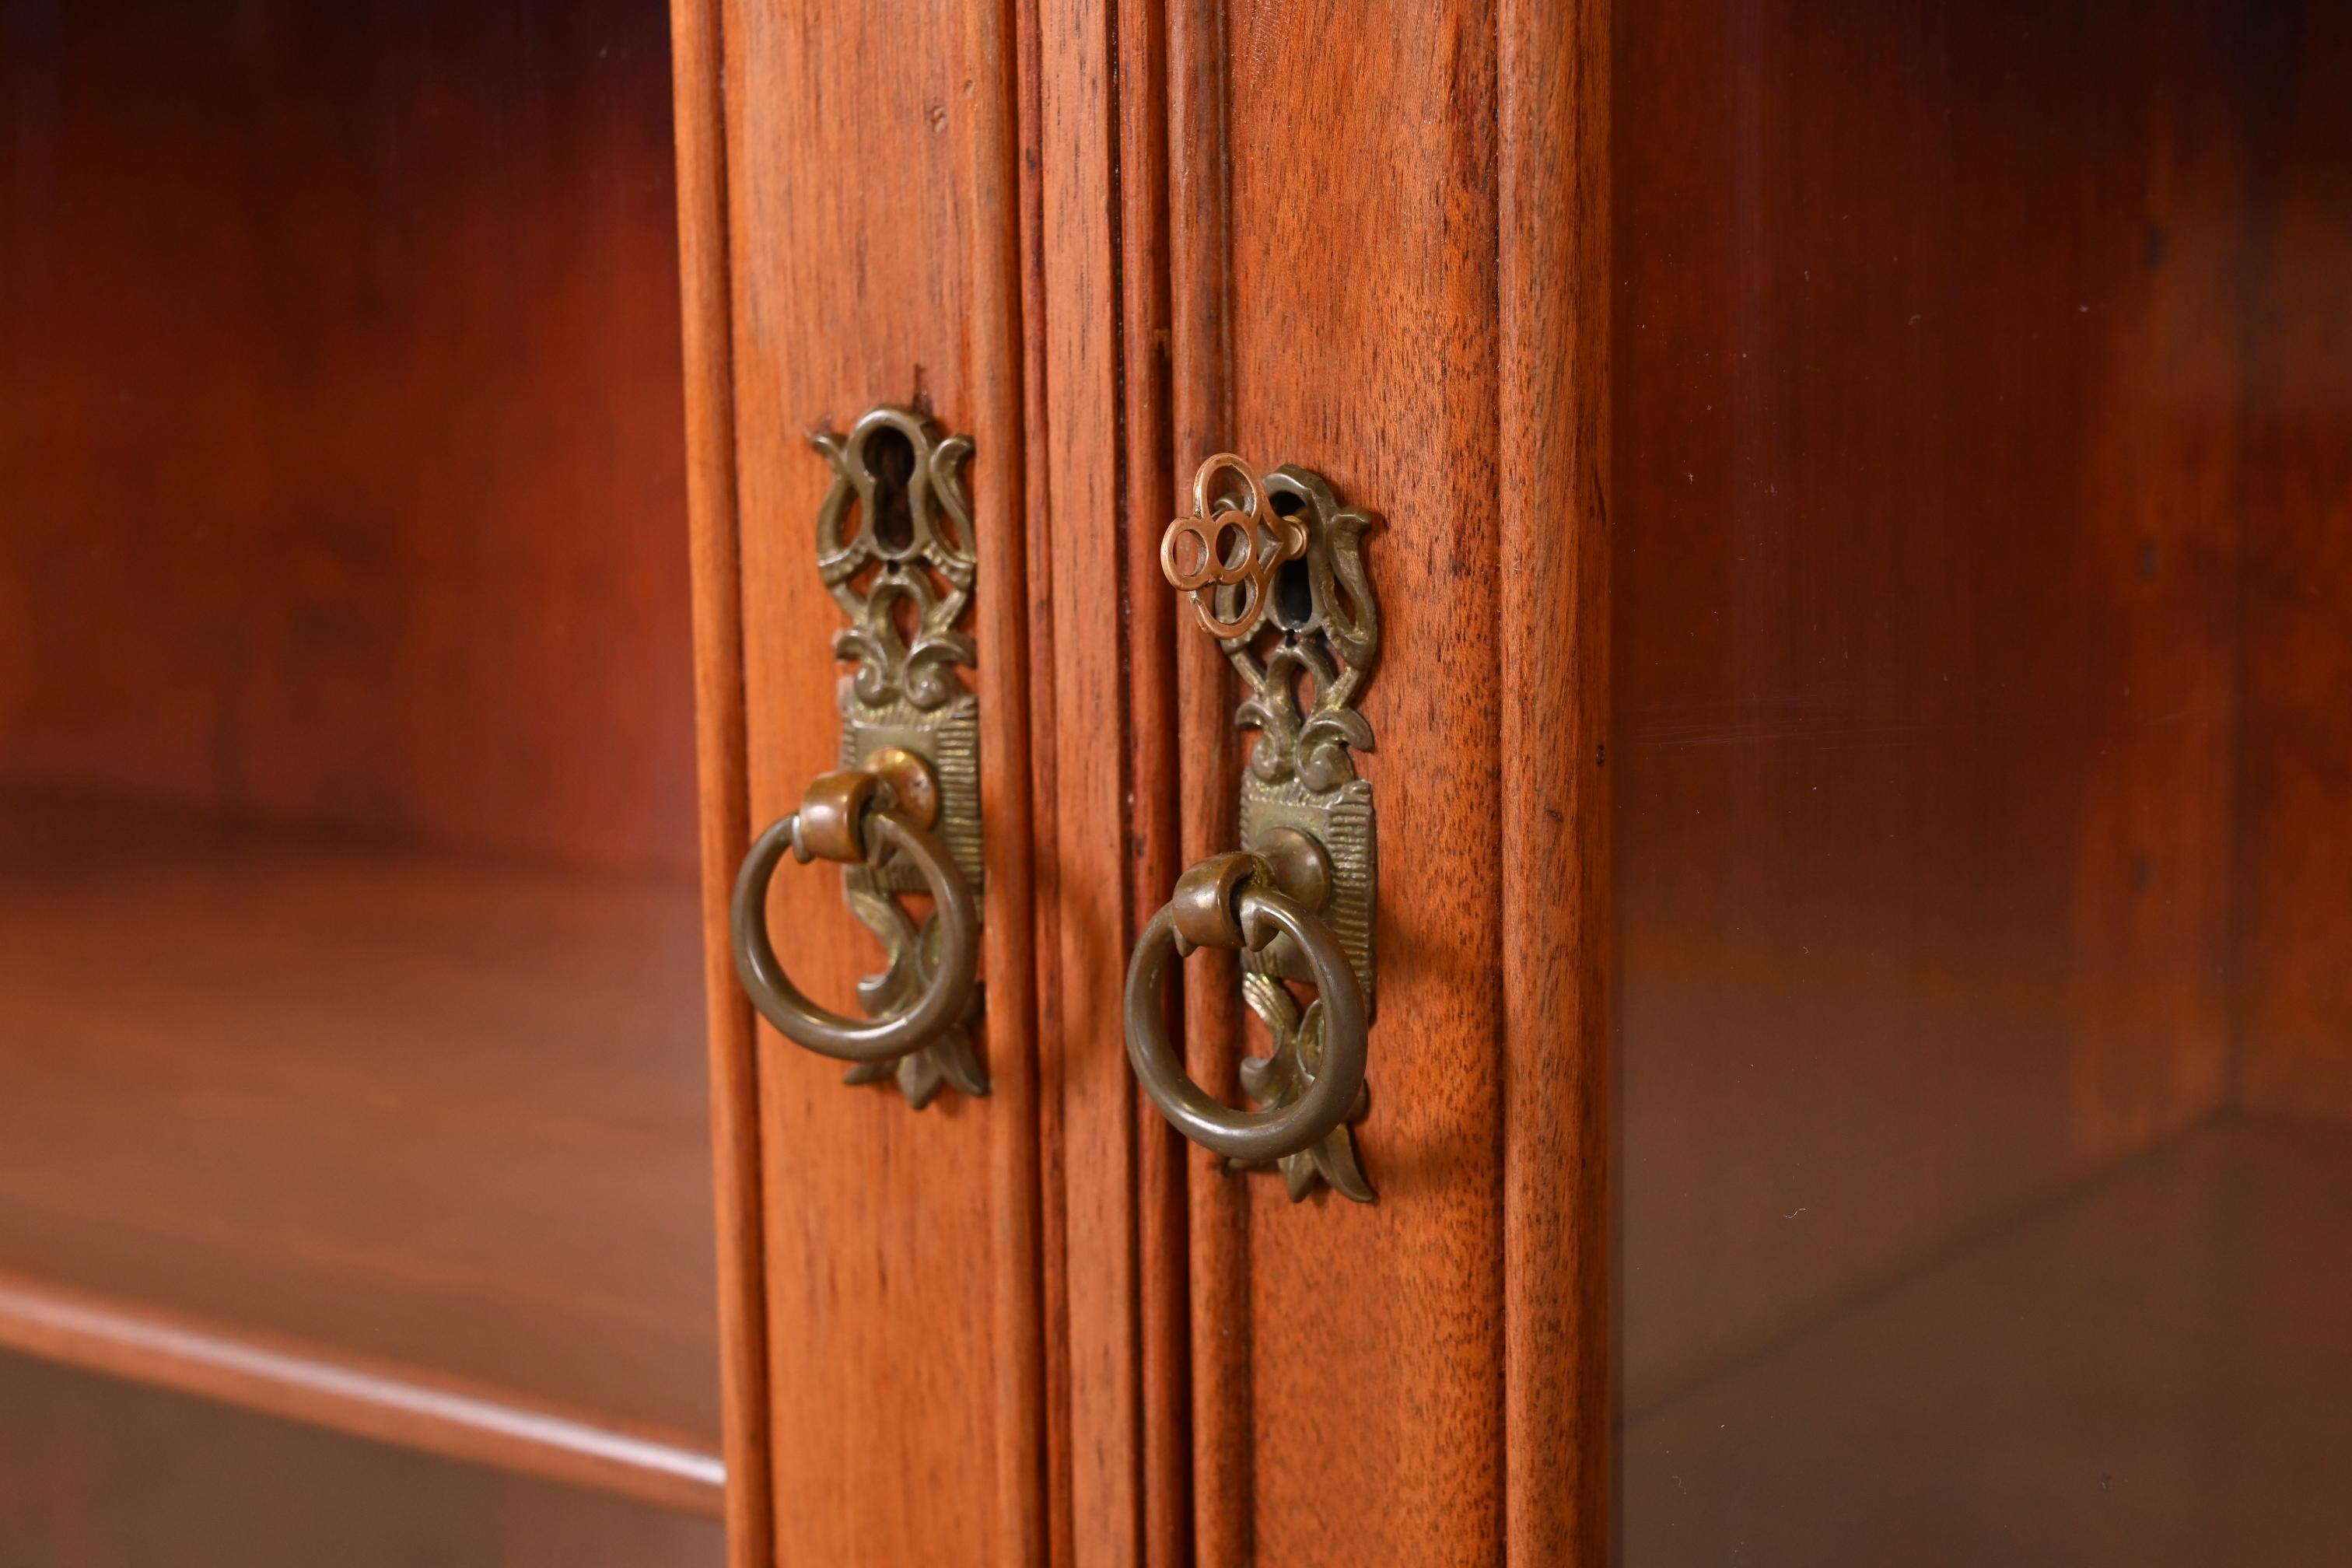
x: 1824, y: 531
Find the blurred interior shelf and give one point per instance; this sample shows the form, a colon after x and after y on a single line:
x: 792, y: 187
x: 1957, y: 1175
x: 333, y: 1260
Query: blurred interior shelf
x: 2147, y: 1370
x: 410, y: 1146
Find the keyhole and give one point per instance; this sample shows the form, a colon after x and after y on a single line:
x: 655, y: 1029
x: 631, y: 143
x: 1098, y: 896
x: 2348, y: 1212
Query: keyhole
x: 890, y: 461
x: 1294, y: 585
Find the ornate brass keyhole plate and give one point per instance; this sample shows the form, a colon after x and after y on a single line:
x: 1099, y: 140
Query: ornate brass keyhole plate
x: 1274, y: 570
x: 894, y: 548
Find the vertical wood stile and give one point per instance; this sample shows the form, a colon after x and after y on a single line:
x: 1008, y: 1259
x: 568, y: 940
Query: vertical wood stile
x: 1200, y: 420
x: 1006, y: 623
x: 1107, y: 835
x: 1350, y: 1382
x: 695, y: 55
x: 873, y: 208
x: 1553, y: 295
x: 1146, y: 456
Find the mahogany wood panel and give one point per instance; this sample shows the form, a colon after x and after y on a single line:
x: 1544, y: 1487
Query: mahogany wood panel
x: 2152, y: 1372
x: 339, y: 419
x: 98, y: 1474
x: 720, y: 737
x: 1154, y: 779
x: 1094, y: 135
x: 341, y: 1105
x: 871, y: 215
x: 1926, y: 526
x: 1209, y: 758
x: 2295, y: 931
x: 1349, y: 297
x: 1080, y: 560
x: 1558, y: 940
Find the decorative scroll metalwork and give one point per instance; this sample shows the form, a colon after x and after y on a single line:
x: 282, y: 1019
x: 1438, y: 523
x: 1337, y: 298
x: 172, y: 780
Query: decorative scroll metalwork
x: 1294, y: 611
x: 895, y: 545
x: 1280, y: 1078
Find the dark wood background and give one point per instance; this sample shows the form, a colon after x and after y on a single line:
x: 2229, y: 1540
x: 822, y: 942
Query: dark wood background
x: 1983, y: 637
x: 339, y: 422
x: 348, y: 1037
x: 96, y: 1474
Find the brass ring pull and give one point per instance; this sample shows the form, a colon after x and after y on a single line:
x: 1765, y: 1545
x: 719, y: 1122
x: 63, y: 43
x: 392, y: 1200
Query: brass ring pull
x: 1234, y: 901
x: 860, y: 815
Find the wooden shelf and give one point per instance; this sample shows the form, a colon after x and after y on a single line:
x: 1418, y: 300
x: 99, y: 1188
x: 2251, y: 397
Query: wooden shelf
x: 101, y: 1473
x: 406, y: 1145
x: 2153, y: 1371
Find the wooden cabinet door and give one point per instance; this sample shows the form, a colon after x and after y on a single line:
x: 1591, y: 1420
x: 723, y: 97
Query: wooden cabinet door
x: 1104, y: 243
x: 848, y: 197
x: 1374, y: 243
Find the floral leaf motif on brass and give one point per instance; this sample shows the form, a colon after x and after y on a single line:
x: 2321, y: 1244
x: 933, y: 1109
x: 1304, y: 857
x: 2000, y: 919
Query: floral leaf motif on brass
x: 1274, y: 568
x: 895, y: 546
x: 1277, y: 1079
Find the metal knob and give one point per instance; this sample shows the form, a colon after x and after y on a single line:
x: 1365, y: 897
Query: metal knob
x: 1238, y: 902
x: 861, y: 814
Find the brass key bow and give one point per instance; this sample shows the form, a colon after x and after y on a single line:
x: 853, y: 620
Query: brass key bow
x: 1233, y: 544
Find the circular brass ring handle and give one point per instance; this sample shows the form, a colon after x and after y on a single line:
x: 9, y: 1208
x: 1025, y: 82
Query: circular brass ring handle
x: 843, y: 818
x: 1230, y: 901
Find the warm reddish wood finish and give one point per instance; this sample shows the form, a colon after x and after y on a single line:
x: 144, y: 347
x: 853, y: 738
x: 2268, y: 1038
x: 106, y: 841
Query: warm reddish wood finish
x: 339, y: 391
x: 1079, y: 552
x: 1207, y: 757
x: 413, y: 1407
x: 1154, y: 777
x: 1346, y: 308
x: 1100, y: 489
x: 1926, y: 546
x: 99, y: 1474
x: 2295, y: 898
x: 1559, y: 941
x: 708, y: 359
x: 2150, y: 1373
x: 362, y: 1109
x: 871, y: 232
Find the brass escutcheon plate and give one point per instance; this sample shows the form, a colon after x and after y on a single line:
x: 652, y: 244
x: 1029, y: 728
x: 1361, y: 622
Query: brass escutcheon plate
x: 895, y: 544
x: 1273, y: 568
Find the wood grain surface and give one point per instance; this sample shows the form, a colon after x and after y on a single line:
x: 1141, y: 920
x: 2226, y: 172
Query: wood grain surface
x: 1146, y: 462
x: 331, y: 1387
x: 358, y: 1105
x: 1079, y: 505
x: 2150, y: 1372
x: 1349, y: 304
x: 1558, y: 939
x: 872, y: 204
x: 1209, y: 756
x: 720, y: 732
x: 338, y: 420
x: 1094, y: 135
x: 2294, y: 830
x: 99, y: 1473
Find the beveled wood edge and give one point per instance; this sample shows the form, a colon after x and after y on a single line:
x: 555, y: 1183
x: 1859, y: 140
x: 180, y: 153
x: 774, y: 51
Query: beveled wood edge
x: 706, y: 329
x: 359, y: 1395
x: 1114, y: 1236
x: 1080, y: 711
x: 1139, y: 135
x: 1000, y: 616
x: 1200, y: 405
x: 1010, y: 913
x: 1553, y: 231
